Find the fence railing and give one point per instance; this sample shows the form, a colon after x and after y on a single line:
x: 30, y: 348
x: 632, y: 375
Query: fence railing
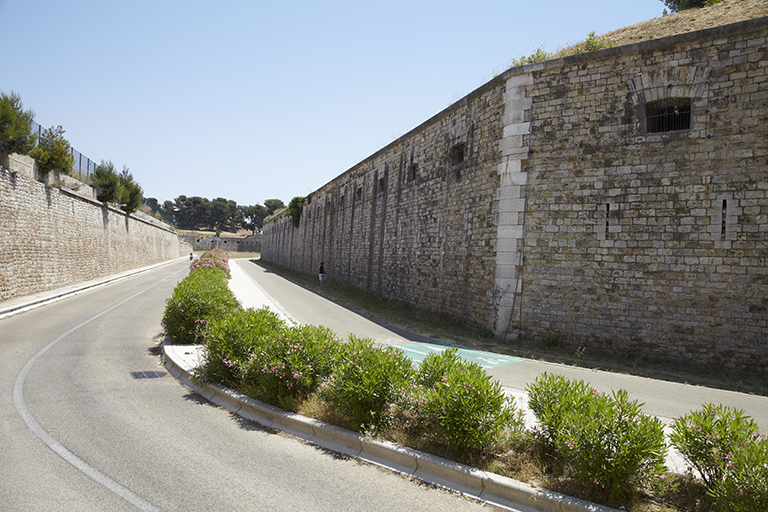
x: 80, y: 162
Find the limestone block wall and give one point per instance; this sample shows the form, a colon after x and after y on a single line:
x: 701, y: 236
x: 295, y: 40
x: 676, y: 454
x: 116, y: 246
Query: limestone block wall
x: 654, y: 242
x: 417, y: 220
x: 546, y: 205
x: 52, y: 237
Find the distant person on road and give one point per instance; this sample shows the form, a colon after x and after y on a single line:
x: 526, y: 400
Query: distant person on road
x: 322, y: 271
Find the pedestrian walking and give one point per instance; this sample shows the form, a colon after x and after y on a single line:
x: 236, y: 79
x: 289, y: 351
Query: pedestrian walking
x: 321, y: 271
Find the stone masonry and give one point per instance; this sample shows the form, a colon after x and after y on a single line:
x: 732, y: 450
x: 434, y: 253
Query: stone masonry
x: 53, y: 237
x: 554, y: 203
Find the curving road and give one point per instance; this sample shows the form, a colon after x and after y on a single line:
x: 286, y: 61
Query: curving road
x: 79, y: 432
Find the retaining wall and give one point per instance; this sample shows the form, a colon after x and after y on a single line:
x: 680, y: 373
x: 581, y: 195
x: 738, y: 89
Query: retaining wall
x: 52, y: 237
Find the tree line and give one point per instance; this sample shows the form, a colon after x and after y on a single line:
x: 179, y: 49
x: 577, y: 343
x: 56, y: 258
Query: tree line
x: 219, y: 214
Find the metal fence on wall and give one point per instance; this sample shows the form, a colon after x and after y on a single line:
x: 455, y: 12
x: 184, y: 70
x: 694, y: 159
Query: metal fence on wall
x: 80, y: 162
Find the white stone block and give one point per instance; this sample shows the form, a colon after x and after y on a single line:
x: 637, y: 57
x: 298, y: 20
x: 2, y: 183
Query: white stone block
x: 509, y: 191
x: 508, y: 218
x: 510, y: 231
x: 512, y: 205
x: 517, y: 129
x: 506, y: 245
x: 519, y: 81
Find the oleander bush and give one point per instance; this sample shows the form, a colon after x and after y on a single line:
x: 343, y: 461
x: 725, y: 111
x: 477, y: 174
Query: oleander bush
x: 292, y: 365
x: 722, y: 446
x: 553, y: 398
x: 216, y: 258
x: 456, y: 405
x: 197, y: 299
x: 231, y: 340
x: 589, y: 444
x: 366, y: 382
x: 603, y: 441
x: 745, y: 485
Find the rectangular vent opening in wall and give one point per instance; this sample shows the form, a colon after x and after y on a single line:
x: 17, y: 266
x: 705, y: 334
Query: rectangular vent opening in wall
x: 412, y: 171
x: 457, y: 153
x: 668, y: 115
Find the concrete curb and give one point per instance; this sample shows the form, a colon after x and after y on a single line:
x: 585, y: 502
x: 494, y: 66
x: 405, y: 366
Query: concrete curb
x: 26, y: 303
x: 494, y: 489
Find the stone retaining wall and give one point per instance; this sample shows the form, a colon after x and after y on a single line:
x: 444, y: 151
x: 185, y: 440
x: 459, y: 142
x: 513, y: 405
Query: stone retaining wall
x: 52, y: 237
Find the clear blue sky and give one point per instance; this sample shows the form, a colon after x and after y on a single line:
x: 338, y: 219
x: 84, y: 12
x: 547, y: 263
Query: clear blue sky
x: 254, y: 100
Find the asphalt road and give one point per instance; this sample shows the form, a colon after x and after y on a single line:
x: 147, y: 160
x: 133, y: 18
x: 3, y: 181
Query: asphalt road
x: 80, y: 433
x: 664, y: 399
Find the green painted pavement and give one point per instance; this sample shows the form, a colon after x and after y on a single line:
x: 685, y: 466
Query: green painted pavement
x: 419, y: 351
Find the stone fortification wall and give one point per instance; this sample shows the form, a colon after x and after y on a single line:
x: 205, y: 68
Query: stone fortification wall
x: 250, y: 243
x: 52, y: 237
x: 415, y: 220
x: 569, y: 216
x: 647, y: 241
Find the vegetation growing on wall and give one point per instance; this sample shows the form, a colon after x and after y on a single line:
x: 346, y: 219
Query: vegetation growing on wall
x: 539, y: 55
x: 592, y: 43
x: 15, y: 125
x: 117, y: 187
x: 295, y: 207
x: 53, y: 152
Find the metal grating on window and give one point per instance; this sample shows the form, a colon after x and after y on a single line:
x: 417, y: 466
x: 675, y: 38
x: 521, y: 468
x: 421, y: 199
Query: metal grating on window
x: 668, y: 115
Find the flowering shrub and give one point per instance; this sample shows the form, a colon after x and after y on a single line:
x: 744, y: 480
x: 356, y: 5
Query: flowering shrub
x: 456, y: 404
x: 366, y: 382
x: 232, y: 339
x: 195, y: 300
x: 745, y: 486
x: 217, y: 258
x: 553, y: 398
x: 292, y: 366
x: 611, y: 448
x: 723, y: 446
x: 603, y: 442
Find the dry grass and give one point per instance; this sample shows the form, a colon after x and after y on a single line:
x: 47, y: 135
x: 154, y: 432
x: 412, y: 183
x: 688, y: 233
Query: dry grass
x: 724, y: 13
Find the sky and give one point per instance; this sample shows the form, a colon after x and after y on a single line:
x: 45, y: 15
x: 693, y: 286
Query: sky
x: 255, y: 100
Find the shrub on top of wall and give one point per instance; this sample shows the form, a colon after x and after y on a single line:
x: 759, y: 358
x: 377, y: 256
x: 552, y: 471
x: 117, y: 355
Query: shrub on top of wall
x: 53, y: 152
x: 200, y: 296
x: 15, y: 125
